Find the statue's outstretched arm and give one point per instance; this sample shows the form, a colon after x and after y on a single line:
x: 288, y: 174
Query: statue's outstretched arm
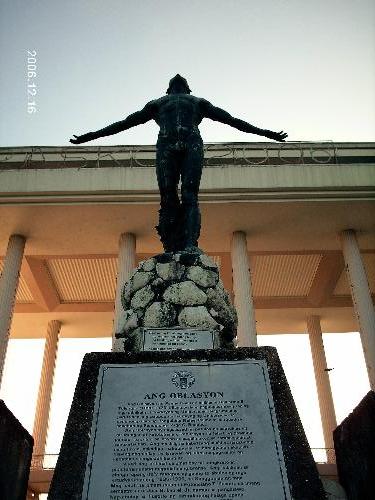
x: 220, y: 115
x: 132, y: 120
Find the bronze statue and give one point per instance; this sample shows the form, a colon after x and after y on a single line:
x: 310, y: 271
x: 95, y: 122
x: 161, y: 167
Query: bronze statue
x: 179, y: 154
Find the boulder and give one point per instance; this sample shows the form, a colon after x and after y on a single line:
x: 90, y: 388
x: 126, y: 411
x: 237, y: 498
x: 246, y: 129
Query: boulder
x: 225, y: 313
x: 196, y: 317
x: 170, y: 271
x: 128, y: 322
x: 142, y: 298
x: 140, y: 280
x: 149, y: 265
x: 159, y: 314
x: 206, y: 261
x: 186, y: 294
x: 202, y: 277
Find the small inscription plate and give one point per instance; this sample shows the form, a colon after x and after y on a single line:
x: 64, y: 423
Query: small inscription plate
x: 202, y: 430
x: 168, y: 339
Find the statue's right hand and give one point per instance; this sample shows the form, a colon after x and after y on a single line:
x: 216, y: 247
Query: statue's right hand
x: 276, y: 136
x: 79, y: 139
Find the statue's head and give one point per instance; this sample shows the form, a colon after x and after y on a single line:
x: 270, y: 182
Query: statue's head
x: 178, y: 85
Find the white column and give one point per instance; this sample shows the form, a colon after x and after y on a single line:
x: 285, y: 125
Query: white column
x: 8, y: 288
x: 126, y: 265
x: 361, y: 295
x: 327, y: 409
x: 45, y: 388
x: 243, y: 297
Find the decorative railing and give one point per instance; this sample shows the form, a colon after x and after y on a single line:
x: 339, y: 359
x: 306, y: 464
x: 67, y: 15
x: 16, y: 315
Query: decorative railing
x: 215, y: 155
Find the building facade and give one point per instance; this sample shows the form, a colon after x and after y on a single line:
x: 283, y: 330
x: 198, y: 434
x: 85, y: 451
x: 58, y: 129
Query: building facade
x: 292, y: 227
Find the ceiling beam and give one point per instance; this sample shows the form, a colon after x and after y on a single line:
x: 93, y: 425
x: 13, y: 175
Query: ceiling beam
x: 86, y: 307
x: 327, y: 275
x: 27, y: 307
x: 280, y: 302
x: 40, y: 284
x: 299, y: 302
x: 260, y: 303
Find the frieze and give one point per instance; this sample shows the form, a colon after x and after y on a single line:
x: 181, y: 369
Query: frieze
x: 215, y: 155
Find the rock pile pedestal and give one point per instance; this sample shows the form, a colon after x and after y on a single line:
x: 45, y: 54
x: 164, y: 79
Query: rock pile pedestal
x: 175, y: 290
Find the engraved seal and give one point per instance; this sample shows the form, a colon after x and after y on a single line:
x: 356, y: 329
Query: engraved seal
x: 183, y: 380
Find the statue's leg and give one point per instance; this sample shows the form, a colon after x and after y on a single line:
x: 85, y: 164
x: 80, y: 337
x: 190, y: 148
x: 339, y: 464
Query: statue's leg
x: 190, y: 179
x: 168, y: 174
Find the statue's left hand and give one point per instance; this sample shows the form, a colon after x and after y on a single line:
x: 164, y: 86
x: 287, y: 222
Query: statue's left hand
x: 276, y: 136
x: 79, y: 139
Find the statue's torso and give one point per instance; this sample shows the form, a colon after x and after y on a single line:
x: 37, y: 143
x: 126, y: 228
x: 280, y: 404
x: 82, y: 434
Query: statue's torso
x: 177, y: 115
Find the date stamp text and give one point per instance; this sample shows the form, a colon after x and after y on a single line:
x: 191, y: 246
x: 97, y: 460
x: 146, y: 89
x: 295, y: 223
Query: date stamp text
x: 32, y: 88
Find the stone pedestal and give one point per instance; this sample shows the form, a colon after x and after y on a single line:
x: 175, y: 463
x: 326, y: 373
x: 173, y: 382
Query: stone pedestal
x: 209, y: 423
x: 16, y: 447
x: 354, y: 442
x: 175, y: 290
x: 199, y: 420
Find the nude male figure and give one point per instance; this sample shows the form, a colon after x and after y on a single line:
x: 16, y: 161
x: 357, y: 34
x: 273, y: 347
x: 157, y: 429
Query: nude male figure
x: 179, y: 154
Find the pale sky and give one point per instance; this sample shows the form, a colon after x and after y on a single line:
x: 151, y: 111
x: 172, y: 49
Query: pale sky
x: 305, y: 67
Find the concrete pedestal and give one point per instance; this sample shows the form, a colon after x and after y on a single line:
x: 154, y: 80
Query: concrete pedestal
x: 75, y: 465
x: 355, y: 450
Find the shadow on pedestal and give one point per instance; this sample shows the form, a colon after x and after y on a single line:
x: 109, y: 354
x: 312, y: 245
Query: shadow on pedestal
x: 16, y: 447
x: 354, y: 442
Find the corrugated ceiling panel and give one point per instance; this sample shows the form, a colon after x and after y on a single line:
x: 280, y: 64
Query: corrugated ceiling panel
x: 23, y: 293
x: 84, y: 280
x: 342, y: 286
x: 283, y: 275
